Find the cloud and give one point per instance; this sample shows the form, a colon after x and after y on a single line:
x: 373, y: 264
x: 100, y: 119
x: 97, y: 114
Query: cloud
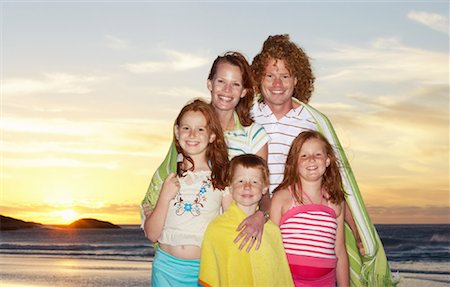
x: 385, y: 60
x: 38, y: 126
x: 58, y: 162
x: 115, y: 43
x: 182, y: 94
x: 389, y: 105
x: 431, y: 20
x: 62, y: 83
x: 177, y: 61
x: 34, y: 142
x: 409, y: 214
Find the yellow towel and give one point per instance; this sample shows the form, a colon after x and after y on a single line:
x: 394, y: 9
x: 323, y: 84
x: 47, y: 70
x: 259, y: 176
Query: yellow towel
x: 223, y: 264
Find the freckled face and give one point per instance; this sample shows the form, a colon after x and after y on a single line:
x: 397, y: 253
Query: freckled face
x: 226, y: 87
x: 313, y: 160
x: 192, y: 133
x: 247, y: 186
x: 277, y: 85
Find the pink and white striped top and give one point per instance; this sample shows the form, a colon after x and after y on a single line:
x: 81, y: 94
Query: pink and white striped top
x: 309, y: 235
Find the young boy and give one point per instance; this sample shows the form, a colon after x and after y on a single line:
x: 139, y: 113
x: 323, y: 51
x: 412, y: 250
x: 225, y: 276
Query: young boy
x: 221, y: 262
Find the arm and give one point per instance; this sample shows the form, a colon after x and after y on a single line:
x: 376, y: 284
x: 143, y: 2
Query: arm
x: 276, y: 207
x: 352, y: 224
x: 154, y: 223
x: 263, y: 152
x: 342, y: 269
x: 151, y: 197
x: 226, y: 201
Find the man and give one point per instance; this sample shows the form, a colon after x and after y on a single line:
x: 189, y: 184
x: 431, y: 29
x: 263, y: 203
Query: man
x: 285, y: 81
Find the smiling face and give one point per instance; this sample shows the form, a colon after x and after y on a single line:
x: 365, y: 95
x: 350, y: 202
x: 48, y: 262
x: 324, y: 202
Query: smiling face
x: 192, y: 133
x: 277, y: 85
x: 226, y: 87
x: 313, y: 160
x: 248, y: 186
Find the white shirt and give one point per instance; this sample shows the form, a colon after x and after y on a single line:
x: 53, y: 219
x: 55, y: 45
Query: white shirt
x: 281, y: 133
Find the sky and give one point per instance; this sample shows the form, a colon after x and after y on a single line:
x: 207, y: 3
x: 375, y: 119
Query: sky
x: 90, y: 90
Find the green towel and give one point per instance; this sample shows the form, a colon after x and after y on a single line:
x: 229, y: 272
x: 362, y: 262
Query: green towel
x: 167, y: 166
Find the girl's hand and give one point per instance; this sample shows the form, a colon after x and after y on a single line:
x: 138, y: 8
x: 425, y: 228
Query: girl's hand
x: 251, y: 229
x: 170, y: 187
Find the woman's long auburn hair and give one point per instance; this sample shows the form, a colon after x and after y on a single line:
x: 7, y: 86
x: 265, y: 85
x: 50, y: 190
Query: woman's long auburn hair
x: 248, y: 83
x: 331, y: 179
x: 216, y: 152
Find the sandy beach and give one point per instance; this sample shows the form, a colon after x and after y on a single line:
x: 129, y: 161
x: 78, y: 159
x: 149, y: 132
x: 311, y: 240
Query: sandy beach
x: 423, y: 280
x: 32, y: 271
x: 434, y: 274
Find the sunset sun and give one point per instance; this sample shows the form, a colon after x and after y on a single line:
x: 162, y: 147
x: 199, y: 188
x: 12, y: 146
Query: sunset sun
x: 67, y: 216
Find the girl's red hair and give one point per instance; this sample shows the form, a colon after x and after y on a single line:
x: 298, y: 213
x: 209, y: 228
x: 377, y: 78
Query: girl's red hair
x: 331, y: 179
x: 216, y: 152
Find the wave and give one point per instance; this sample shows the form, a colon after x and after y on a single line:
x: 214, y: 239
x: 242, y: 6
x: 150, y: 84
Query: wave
x: 414, y: 271
x: 80, y: 250
x: 439, y: 237
x: 79, y: 247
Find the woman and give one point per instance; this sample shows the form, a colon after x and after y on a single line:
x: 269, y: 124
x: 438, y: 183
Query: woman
x: 230, y: 82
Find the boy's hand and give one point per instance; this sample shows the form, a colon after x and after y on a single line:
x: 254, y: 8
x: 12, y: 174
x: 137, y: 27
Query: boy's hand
x: 251, y: 229
x: 170, y: 187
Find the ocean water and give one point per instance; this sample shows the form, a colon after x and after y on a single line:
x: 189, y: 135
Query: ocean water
x: 419, y: 251
x: 416, y: 243
x: 127, y: 243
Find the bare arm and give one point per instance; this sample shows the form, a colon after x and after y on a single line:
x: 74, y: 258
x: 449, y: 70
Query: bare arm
x: 226, y: 201
x: 352, y: 224
x: 276, y: 207
x: 264, y: 152
x: 154, y: 223
x: 342, y: 269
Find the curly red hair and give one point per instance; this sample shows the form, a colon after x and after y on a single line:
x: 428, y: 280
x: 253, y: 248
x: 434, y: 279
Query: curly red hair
x: 279, y: 47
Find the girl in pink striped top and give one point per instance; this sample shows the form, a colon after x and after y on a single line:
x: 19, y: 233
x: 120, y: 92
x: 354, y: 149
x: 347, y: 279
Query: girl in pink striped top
x: 308, y: 206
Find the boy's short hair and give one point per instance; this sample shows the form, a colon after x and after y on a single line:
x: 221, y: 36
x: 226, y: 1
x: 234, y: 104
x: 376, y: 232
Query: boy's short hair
x: 249, y: 161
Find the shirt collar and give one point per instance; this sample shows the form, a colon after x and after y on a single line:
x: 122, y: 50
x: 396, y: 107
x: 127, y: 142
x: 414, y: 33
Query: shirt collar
x: 238, y: 128
x: 266, y: 111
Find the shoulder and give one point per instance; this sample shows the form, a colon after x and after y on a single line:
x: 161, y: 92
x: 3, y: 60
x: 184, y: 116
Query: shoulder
x: 340, y: 208
x: 256, y: 107
x: 337, y: 207
x: 255, y: 129
x: 312, y: 111
x: 281, y: 197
